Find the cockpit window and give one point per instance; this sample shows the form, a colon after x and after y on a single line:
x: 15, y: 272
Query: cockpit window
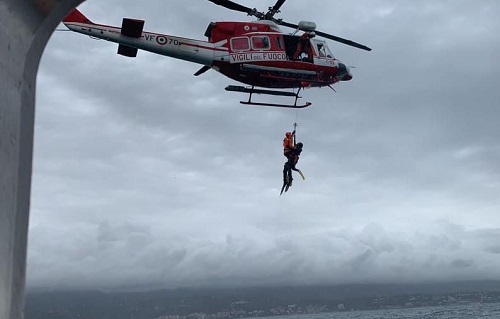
x: 260, y: 43
x: 323, y: 50
x: 278, y: 42
x: 240, y: 44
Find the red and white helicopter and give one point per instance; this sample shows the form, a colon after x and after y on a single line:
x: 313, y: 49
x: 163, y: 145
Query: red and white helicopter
x: 255, y: 53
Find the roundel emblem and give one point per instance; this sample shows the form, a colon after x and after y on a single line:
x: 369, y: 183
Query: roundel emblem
x: 161, y: 40
x: 246, y: 28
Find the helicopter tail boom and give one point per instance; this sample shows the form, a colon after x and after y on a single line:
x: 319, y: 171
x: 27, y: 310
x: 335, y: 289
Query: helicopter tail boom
x: 131, y: 38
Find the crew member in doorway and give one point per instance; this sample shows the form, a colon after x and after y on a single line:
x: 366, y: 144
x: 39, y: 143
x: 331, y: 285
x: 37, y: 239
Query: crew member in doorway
x: 304, y: 46
x: 321, y: 50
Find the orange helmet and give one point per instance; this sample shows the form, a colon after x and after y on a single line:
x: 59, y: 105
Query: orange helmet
x: 288, y: 134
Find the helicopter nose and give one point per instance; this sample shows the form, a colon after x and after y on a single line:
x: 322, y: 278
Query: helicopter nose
x: 343, y: 70
x: 344, y: 73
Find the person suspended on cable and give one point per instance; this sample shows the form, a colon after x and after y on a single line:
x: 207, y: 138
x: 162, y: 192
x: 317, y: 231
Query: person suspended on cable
x: 289, y: 144
x: 295, y: 155
x: 292, y: 151
x: 291, y: 163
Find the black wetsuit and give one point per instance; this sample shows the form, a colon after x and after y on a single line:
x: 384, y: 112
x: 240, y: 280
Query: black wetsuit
x: 290, y: 164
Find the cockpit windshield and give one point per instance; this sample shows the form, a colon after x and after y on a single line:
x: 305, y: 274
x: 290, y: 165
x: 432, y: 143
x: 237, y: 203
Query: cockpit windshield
x: 323, y: 49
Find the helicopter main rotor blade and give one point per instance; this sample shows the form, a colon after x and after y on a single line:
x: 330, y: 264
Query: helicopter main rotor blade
x: 325, y: 35
x: 273, y: 10
x: 277, y: 5
x: 234, y: 6
x: 342, y: 40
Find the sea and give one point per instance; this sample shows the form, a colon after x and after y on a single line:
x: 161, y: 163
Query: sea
x: 462, y: 311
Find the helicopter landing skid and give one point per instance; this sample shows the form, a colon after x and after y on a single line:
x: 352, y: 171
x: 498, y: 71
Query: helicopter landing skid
x: 235, y: 88
x: 293, y: 106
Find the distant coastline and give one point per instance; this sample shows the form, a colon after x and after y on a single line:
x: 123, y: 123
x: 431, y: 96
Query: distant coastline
x: 225, y: 303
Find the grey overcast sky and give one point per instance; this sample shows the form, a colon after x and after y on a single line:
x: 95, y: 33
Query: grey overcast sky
x: 148, y: 177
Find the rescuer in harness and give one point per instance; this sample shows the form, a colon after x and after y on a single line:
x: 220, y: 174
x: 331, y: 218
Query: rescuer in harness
x: 289, y: 144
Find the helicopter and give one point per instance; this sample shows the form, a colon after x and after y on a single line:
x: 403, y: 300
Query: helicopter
x: 256, y: 53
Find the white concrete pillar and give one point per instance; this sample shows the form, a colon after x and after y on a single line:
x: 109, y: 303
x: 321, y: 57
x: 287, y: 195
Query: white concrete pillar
x: 25, y: 27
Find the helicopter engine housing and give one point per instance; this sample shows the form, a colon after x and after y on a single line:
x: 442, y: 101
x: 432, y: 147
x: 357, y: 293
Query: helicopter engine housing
x: 307, y: 26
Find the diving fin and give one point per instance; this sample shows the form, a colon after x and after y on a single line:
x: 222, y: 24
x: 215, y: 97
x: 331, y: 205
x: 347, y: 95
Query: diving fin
x: 301, y: 175
x: 282, y: 189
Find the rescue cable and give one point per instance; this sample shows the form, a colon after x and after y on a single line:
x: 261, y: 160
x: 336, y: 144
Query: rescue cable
x: 294, y: 131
